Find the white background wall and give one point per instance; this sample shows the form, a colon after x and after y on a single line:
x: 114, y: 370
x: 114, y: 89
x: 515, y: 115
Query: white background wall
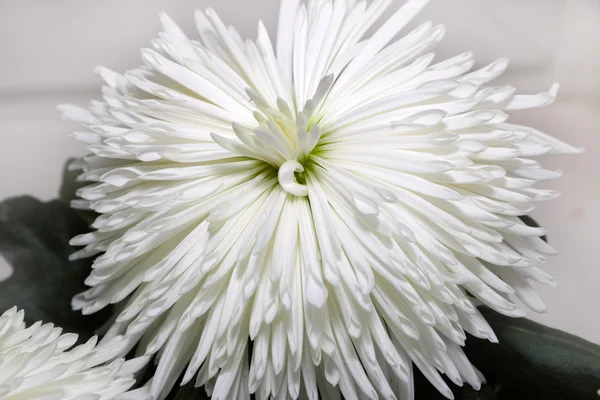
x: 49, y: 48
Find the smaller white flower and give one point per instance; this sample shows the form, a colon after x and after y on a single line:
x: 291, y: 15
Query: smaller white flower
x: 36, y: 363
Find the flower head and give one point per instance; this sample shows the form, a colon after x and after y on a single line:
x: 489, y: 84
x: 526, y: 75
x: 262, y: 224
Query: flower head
x: 36, y: 363
x: 314, y: 217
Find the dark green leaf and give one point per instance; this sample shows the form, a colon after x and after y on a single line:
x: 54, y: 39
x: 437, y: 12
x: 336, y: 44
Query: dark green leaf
x: 68, y: 191
x: 188, y: 392
x: 69, y: 186
x: 34, y: 239
x: 535, y: 360
x: 532, y: 361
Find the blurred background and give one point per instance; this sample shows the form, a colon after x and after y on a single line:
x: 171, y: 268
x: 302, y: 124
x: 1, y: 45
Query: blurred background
x: 49, y: 49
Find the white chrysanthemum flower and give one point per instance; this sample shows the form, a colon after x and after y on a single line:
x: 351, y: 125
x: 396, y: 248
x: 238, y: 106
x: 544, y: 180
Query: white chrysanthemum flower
x: 315, y: 218
x: 36, y: 363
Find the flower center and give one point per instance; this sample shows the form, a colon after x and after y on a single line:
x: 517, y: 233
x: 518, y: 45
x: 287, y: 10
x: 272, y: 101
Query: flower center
x: 284, y: 137
x: 290, y: 175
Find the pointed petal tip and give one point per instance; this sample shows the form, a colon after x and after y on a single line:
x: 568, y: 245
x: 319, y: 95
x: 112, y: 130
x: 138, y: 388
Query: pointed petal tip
x: 553, y: 91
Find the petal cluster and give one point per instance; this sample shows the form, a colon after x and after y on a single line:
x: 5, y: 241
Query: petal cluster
x: 37, y: 362
x: 313, y: 217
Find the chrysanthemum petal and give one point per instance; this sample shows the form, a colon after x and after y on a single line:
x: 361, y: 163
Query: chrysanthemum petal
x: 312, y: 219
